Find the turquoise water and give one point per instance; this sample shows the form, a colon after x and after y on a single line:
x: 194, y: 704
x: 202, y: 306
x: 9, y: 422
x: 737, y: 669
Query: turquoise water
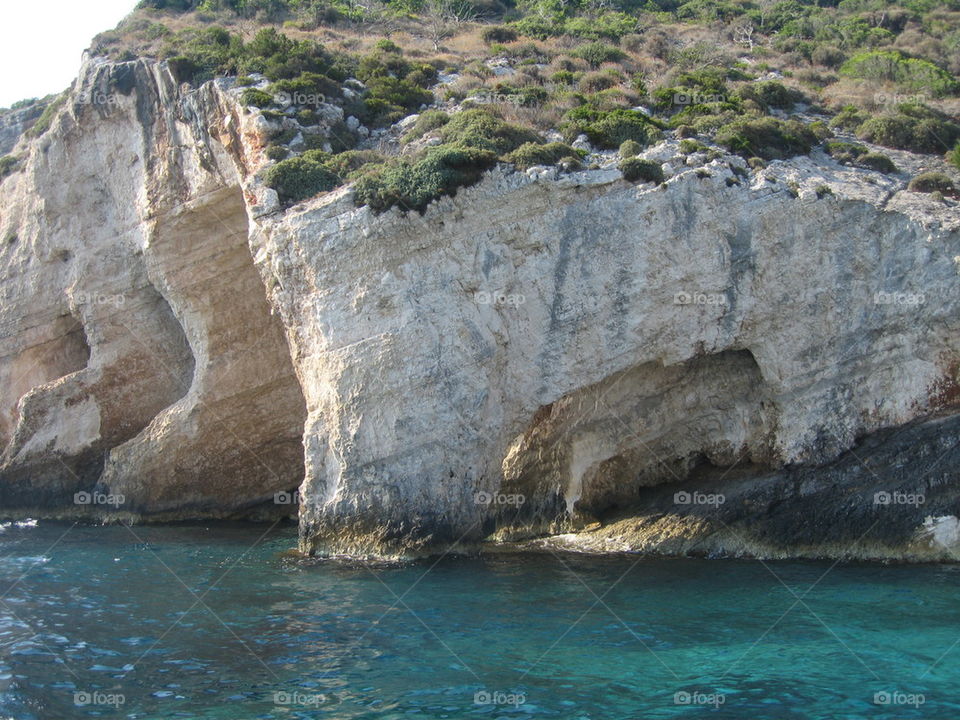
x: 207, y: 622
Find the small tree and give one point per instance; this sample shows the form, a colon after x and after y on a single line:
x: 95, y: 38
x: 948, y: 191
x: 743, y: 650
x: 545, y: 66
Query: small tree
x: 743, y: 34
x: 443, y: 19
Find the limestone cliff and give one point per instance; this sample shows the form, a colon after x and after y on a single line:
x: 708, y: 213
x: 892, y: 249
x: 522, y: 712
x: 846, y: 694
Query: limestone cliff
x: 541, y: 352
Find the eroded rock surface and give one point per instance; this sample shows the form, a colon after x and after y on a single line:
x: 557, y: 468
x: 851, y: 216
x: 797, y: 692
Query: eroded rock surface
x: 576, y: 340
x: 139, y: 355
x: 541, y: 354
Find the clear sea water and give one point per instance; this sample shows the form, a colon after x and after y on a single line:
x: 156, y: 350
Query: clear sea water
x: 218, y: 622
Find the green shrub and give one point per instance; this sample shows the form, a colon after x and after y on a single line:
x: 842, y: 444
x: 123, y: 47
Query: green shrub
x: 635, y: 169
x: 953, y: 157
x: 608, y: 130
x: 770, y: 93
x: 910, y: 73
x: 767, y: 138
x: 689, y: 146
x: 630, y: 148
x: 929, y: 182
x: 911, y: 127
x: 849, y: 118
x: 246, y: 81
x: 608, y: 25
x: 498, y: 34
x: 386, y: 45
x: 844, y: 152
x: 256, y: 98
x: 597, y: 81
x: 299, y: 178
x: 277, y: 152
x: 530, y: 154
x: 414, y: 184
x: 570, y: 163
x: 878, y: 162
x: 828, y: 56
x: 598, y: 53
x: 8, y: 163
x: 45, y: 120
x: 428, y: 121
x: 348, y: 163
x: 479, y: 129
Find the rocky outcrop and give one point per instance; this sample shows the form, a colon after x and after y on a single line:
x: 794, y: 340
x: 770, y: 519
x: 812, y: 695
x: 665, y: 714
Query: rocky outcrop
x: 141, y: 364
x: 576, y: 340
x: 16, y: 121
x: 543, y: 353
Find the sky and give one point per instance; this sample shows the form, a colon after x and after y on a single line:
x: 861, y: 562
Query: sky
x: 41, y: 42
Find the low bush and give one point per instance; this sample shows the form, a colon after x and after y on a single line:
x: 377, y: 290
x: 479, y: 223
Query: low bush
x: 766, y: 138
x: 770, y: 94
x: 256, y: 98
x: 414, y: 184
x: 8, y: 164
x: 630, y: 148
x: 300, y: 178
x: 498, y: 34
x: 45, y: 120
x: 849, y: 118
x: 277, y: 152
x: 689, y: 146
x: 878, y: 162
x: 608, y: 130
x: 909, y: 73
x: 929, y: 182
x: 911, y: 127
x: 530, y: 154
x: 636, y: 169
x: 598, y: 53
x: 953, y: 157
x: 482, y: 130
x: 844, y: 152
x: 428, y: 121
x: 348, y: 164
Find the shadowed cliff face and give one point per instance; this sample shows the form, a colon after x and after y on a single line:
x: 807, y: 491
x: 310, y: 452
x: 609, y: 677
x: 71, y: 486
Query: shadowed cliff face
x: 541, y: 354
x: 140, y: 358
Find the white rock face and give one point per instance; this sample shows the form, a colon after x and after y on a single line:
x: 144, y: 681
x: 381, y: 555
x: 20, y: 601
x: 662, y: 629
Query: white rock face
x: 139, y: 354
x: 523, y: 358
x: 575, y: 339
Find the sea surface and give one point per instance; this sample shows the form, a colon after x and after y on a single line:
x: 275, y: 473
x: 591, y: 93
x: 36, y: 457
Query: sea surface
x: 219, y: 621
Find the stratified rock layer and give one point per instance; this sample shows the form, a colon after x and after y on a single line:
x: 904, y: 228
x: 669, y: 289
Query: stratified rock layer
x: 139, y: 355
x: 540, y: 354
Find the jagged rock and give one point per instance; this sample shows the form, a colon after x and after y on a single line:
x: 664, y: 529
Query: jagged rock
x: 533, y: 355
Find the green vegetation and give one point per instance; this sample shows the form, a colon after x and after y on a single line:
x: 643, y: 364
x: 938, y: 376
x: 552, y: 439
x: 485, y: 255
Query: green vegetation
x: 530, y: 154
x: 630, y: 148
x: 300, y: 178
x: 766, y: 138
x: 44, y: 122
x: 911, y: 74
x: 620, y: 73
x: 428, y: 121
x: 911, y: 127
x: 929, y: 182
x: 609, y: 129
x: 636, y: 169
x: 953, y: 157
x: 256, y: 98
x: 8, y: 164
x: 482, y: 130
x: 414, y: 184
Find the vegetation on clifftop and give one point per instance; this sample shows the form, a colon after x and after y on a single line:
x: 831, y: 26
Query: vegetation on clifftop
x: 537, y: 81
